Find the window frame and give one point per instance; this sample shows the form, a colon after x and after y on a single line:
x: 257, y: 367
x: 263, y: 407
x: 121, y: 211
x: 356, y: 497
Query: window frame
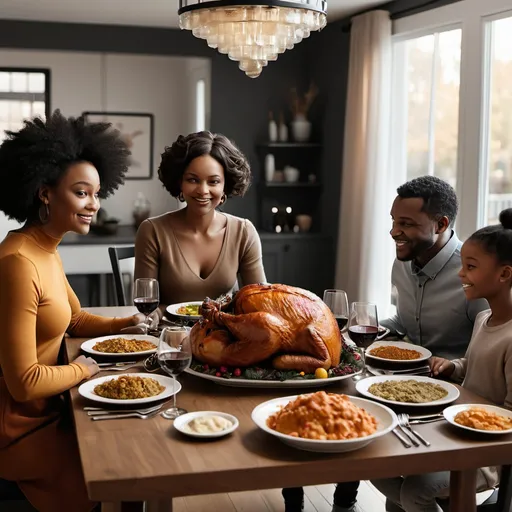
x: 474, y: 17
x: 25, y: 95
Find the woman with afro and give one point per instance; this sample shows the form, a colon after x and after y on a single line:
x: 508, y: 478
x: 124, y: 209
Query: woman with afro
x: 198, y: 251
x: 52, y: 173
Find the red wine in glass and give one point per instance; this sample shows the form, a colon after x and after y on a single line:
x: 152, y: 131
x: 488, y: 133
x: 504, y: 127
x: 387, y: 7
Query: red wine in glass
x: 145, y: 305
x: 174, y: 363
x: 342, y: 321
x: 363, y: 335
x: 363, y: 328
x: 337, y: 302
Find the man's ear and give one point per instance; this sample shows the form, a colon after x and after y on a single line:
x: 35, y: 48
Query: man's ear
x: 442, y: 225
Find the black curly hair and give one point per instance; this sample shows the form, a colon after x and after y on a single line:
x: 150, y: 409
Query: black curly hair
x: 497, y: 239
x: 439, y: 197
x: 40, y: 153
x: 176, y: 159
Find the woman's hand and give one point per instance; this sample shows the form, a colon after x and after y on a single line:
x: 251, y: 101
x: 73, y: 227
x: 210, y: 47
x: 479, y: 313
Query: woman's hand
x: 441, y: 366
x: 139, y: 325
x: 89, y: 362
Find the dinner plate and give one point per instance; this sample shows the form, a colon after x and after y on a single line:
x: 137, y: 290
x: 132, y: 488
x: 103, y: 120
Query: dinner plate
x: 363, y: 385
x: 173, y: 310
x: 171, y: 388
x: 255, y: 383
x: 181, y: 422
x: 450, y: 412
x: 425, y: 353
x: 386, y: 421
x: 87, y: 346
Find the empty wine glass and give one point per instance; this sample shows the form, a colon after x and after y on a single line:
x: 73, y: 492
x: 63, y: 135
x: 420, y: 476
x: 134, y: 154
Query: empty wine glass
x: 146, y: 297
x: 363, y: 328
x: 337, y: 302
x: 174, y: 356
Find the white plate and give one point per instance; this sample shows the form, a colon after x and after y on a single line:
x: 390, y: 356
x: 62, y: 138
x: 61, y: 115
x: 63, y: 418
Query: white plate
x: 171, y: 388
x: 386, y: 421
x: 363, y: 385
x: 254, y: 383
x: 425, y: 353
x: 173, y: 310
x: 181, y: 422
x: 87, y: 345
x: 450, y: 412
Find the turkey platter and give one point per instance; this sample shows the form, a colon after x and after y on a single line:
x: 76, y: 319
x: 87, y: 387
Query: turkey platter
x: 289, y: 326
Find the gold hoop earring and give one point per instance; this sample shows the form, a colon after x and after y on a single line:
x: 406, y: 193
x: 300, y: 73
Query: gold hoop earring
x: 181, y: 197
x: 44, y: 214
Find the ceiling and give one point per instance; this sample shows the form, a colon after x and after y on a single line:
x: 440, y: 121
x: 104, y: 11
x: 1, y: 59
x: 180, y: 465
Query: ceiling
x: 150, y: 13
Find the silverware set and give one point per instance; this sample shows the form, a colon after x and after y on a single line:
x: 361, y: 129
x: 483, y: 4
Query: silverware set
x: 422, y: 370
x: 109, y: 367
x: 407, y: 435
x: 98, y: 414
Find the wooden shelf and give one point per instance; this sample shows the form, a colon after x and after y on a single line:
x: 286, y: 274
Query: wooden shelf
x: 290, y: 145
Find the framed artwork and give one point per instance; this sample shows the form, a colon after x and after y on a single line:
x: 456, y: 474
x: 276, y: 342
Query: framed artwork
x: 137, y: 130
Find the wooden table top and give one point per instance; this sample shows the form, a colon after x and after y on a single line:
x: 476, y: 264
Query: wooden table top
x: 136, y: 460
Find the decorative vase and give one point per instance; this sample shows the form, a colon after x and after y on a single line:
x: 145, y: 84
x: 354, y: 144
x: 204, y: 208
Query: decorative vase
x: 301, y: 129
x: 270, y: 167
x: 272, y: 128
x: 283, y: 129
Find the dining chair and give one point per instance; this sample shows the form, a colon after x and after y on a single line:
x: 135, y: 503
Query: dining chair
x: 116, y: 255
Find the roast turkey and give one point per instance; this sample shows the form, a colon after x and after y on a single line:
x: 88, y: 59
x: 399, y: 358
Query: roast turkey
x: 290, y: 327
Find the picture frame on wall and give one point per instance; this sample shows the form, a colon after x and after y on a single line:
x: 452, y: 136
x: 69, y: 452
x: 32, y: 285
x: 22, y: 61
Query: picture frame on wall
x: 137, y: 130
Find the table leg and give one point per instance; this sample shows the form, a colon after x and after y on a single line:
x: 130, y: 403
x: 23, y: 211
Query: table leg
x: 463, y: 491
x: 505, y: 492
x: 159, y: 506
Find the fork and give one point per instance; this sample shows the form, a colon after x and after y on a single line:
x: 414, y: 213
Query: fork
x: 402, y: 439
x: 103, y: 412
x: 129, y: 415
x: 403, y: 421
x: 117, y: 367
x: 410, y: 371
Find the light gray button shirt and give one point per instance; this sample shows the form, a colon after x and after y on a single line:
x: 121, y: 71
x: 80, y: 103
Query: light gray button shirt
x: 432, y: 310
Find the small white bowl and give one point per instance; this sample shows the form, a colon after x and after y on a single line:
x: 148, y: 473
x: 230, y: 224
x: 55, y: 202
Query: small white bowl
x: 182, y: 421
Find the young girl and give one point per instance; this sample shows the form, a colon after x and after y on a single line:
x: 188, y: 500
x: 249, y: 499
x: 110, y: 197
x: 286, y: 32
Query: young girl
x: 486, y: 368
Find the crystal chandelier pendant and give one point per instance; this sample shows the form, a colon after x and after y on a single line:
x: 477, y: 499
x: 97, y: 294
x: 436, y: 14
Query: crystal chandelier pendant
x: 252, y: 35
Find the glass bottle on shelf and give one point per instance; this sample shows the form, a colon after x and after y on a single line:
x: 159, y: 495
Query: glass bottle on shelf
x: 141, y: 209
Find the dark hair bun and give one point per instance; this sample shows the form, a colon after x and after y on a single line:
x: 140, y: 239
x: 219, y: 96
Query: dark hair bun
x: 506, y: 218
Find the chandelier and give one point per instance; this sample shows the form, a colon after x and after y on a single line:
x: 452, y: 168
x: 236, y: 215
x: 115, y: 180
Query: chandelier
x: 251, y: 33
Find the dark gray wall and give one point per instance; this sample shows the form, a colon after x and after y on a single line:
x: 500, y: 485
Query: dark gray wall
x: 239, y: 104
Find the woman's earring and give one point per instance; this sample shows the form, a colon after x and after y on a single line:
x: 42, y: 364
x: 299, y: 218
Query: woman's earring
x: 181, y: 197
x: 44, y: 213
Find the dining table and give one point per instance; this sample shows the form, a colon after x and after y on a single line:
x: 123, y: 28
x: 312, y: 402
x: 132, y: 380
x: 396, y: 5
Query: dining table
x: 135, y: 460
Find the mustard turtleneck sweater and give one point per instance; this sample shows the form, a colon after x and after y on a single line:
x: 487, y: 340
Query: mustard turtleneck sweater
x: 37, y: 307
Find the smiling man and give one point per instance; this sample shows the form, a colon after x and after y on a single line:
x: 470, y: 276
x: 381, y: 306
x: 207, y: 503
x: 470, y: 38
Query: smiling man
x: 432, y: 309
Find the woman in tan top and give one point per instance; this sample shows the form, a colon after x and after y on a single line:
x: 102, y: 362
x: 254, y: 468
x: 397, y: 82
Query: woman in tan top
x: 197, y: 251
x: 486, y: 369
x: 52, y: 174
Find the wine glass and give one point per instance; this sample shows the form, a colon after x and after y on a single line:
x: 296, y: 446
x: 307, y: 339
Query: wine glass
x: 337, y: 302
x: 363, y: 328
x: 146, y: 297
x: 174, y: 356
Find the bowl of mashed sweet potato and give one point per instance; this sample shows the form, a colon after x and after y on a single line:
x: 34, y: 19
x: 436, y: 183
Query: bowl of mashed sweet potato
x: 324, y: 422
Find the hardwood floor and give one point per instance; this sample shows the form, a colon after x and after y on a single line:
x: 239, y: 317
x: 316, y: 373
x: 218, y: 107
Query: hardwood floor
x: 317, y: 499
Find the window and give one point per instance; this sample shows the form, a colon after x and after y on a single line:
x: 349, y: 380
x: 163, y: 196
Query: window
x: 459, y: 126
x: 498, y: 143
x: 200, y: 106
x: 24, y: 93
x: 427, y: 70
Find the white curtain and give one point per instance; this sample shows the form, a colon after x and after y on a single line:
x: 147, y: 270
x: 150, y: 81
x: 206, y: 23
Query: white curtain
x: 365, y: 249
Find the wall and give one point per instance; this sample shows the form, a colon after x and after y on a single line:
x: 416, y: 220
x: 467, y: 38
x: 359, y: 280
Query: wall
x: 130, y: 83
x: 239, y: 105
